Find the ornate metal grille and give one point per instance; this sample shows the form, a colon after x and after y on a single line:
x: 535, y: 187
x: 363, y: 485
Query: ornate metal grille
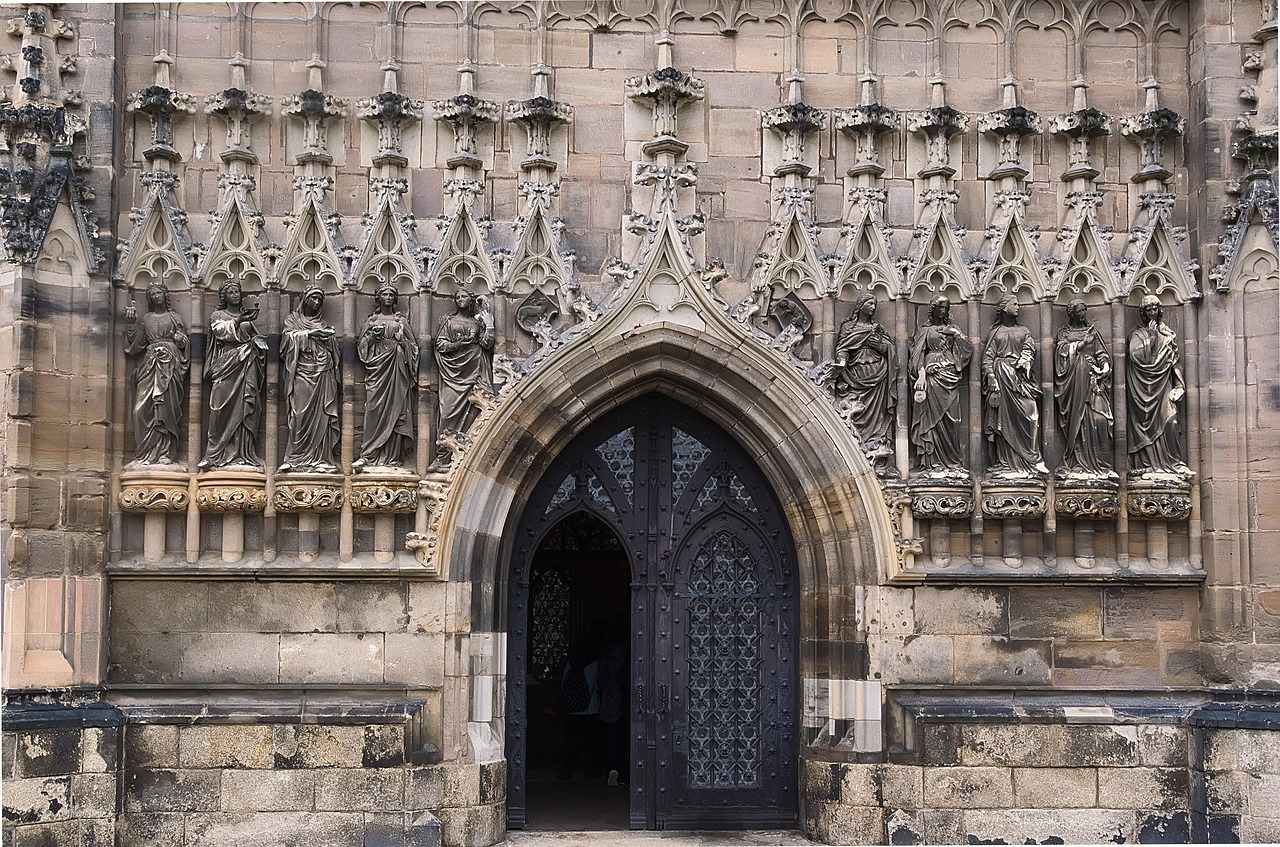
x: 724, y: 605
x: 619, y: 453
x: 549, y: 639
x: 687, y: 455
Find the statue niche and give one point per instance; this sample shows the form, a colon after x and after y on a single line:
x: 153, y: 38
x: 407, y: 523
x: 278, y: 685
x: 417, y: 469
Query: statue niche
x: 159, y: 379
x: 1012, y: 395
x: 864, y: 375
x: 389, y: 351
x: 236, y: 369
x: 309, y: 350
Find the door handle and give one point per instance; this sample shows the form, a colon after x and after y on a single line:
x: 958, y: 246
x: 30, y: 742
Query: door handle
x: 664, y: 699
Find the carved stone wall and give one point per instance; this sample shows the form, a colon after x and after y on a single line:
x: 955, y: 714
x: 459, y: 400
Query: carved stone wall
x: 311, y: 490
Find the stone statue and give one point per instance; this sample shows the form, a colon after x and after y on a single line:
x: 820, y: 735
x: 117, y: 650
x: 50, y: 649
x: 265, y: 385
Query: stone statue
x: 865, y: 370
x: 464, y: 354
x: 235, y: 367
x: 938, y: 357
x: 309, y: 350
x: 160, y: 379
x: 1082, y: 387
x: 1012, y: 408
x: 389, y: 351
x: 1155, y: 386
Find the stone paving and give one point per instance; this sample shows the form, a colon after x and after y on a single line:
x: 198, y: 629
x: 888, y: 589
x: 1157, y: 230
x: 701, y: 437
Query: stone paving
x: 616, y: 838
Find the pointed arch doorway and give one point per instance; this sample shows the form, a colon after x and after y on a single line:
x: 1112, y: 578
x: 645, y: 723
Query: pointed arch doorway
x: 710, y: 703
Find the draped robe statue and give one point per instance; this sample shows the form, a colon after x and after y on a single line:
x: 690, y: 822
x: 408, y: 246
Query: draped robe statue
x: 464, y: 354
x: 865, y: 370
x: 309, y: 350
x: 389, y: 351
x: 235, y: 368
x: 1082, y: 389
x: 1012, y: 408
x: 160, y: 378
x: 1155, y: 386
x: 938, y: 357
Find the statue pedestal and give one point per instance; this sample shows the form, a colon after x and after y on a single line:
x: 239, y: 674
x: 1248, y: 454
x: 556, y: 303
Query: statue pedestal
x: 1156, y: 498
x: 156, y: 491
x: 161, y: 488
x: 948, y: 500
x: 223, y: 491
x: 1021, y: 500
x: 385, y: 491
x: 308, y: 492
x: 1089, y: 500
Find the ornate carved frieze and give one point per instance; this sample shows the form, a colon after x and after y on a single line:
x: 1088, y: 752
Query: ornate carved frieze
x: 307, y: 492
x: 231, y: 491
x: 948, y: 502
x: 1014, y: 502
x: 1157, y: 502
x: 154, y: 490
x: 1086, y: 502
x: 384, y: 493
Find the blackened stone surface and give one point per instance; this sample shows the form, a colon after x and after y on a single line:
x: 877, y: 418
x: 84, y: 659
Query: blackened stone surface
x: 1165, y: 828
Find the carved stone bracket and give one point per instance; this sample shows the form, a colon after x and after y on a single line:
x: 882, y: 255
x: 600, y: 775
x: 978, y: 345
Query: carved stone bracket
x: 433, y: 491
x: 308, y: 492
x: 315, y: 109
x: 937, y: 125
x: 539, y: 115
x: 231, y: 491
x: 154, y: 490
x: 950, y: 502
x: 1151, y: 128
x: 1009, y: 125
x: 1157, y: 501
x: 161, y: 104
x: 384, y: 493
x: 1015, y: 502
x: 1081, y: 127
x: 664, y: 90
x: 390, y: 111
x: 794, y: 123
x: 898, y: 502
x: 238, y: 107
x: 865, y: 123
x: 1099, y: 502
x: 464, y: 113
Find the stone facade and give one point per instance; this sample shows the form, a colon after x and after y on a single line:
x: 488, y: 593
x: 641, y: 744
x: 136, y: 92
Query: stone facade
x: 204, y: 643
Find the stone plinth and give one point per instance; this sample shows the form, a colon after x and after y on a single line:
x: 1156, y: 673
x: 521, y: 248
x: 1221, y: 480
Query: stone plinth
x: 385, y: 491
x: 1098, y: 501
x: 1014, y: 501
x: 152, y: 489
x: 308, y: 492
x: 223, y: 491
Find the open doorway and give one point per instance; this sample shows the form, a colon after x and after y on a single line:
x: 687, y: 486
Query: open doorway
x: 578, y: 677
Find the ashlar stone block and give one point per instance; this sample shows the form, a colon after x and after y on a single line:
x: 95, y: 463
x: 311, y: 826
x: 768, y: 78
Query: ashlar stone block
x: 968, y: 788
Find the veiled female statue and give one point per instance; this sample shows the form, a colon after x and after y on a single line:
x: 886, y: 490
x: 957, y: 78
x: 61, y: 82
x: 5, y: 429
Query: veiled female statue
x: 160, y: 378
x: 1082, y: 388
x: 938, y: 358
x: 235, y: 369
x: 1012, y: 409
x: 389, y: 351
x: 865, y: 370
x: 309, y: 351
x: 1155, y: 385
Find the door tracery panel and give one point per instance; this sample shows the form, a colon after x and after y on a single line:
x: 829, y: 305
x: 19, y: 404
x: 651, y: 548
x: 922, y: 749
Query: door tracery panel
x: 713, y: 737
